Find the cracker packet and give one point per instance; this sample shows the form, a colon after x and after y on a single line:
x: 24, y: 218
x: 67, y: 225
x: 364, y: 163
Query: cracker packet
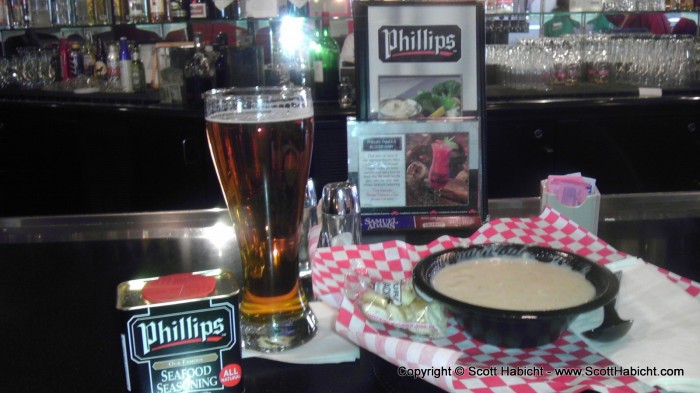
x: 395, y: 303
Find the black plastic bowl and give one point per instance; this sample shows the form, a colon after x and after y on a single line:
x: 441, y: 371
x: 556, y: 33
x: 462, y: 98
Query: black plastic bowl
x: 508, y: 328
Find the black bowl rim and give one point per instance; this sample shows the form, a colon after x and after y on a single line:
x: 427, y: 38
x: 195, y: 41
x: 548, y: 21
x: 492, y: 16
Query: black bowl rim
x: 425, y: 289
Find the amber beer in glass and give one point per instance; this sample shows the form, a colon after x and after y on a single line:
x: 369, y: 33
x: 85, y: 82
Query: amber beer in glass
x: 260, y: 140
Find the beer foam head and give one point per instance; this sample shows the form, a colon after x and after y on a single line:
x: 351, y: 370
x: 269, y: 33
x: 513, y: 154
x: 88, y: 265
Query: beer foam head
x: 261, y: 116
x: 259, y: 104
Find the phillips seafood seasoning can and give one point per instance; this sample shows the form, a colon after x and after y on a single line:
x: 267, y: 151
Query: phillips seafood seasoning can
x: 181, y: 333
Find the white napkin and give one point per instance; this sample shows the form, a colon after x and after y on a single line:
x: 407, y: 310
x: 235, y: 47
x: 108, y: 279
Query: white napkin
x: 666, y: 329
x: 326, y: 347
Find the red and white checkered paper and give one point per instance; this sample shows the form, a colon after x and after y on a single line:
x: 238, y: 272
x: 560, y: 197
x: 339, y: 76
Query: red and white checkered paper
x: 394, y: 260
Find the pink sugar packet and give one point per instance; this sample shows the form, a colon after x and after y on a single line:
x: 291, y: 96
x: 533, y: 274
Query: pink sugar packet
x: 570, y: 190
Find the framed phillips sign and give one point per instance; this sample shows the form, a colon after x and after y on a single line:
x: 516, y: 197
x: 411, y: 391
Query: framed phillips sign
x: 417, y: 149
x: 417, y: 60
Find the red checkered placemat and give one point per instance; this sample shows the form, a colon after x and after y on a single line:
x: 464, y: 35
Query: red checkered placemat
x: 394, y: 260
x: 459, y: 350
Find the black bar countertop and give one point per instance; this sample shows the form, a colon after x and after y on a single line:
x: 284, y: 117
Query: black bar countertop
x: 60, y: 329
x: 580, y: 98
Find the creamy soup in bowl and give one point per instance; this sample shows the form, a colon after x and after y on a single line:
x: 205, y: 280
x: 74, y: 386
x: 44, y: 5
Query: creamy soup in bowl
x: 514, y: 284
x: 514, y: 295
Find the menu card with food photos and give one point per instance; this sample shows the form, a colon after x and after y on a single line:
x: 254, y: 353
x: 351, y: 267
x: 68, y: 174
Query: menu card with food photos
x: 419, y: 60
x: 417, y: 174
x: 416, y: 148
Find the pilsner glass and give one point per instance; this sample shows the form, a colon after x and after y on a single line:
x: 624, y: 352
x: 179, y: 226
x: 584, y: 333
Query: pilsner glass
x: 260, y: 139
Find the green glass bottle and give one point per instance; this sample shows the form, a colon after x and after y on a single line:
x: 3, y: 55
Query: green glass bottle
x: 138, y: 72
x: 326, y: 55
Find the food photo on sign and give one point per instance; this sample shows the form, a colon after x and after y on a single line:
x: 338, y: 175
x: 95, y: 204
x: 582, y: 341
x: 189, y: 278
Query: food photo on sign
x: 437, y: 169
x: 420, y: 97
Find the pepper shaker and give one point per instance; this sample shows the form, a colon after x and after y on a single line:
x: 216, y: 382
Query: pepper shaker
x: 340, y: 215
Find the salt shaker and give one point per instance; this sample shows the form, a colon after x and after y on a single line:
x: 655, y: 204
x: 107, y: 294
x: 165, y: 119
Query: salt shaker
x: 309, y: 220
x: 340, y: 215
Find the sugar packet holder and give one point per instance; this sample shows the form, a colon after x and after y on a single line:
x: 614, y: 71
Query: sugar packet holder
x: 585, y: 214
x: 394, y: 303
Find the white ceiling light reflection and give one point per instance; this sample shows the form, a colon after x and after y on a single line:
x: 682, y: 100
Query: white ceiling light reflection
x: 293, y: 35
x: 220, y: 235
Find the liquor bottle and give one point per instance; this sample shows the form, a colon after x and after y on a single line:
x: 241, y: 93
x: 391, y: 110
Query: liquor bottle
x: 120, y: 11
x: 100, y: 60
x: 55, y: 62
x: 80, y: 9
x: 76, y: 65
x: 113, y: 70
x: 200, y: 9
x: 326, y: 57
x: 89, y: 56
x: 277, y: 70
x: 4, y: 15
x: 246, y: 58
x: 125, y: 65
x: 13, y: 9
x: 103, y: 13
x: 199, y: 74
x: 226, y: 9
x: 18, y: 12
x: 177, y: 10
x: 64, y: 58
x: 157, y: 11
x: 11, y: 4
x: 26, y: 13
x: 138, y: 72
x: 9, y: 20
x: 62, y: 13
x: 221, y: 63
x: 298, y: 8
x: 91, y: 20
x: 299, y: 58
x: 138, y: 11
x: 39, y: 13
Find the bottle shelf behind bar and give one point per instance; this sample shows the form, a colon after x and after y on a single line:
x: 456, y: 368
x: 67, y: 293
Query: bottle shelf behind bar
x: 501, y: 27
